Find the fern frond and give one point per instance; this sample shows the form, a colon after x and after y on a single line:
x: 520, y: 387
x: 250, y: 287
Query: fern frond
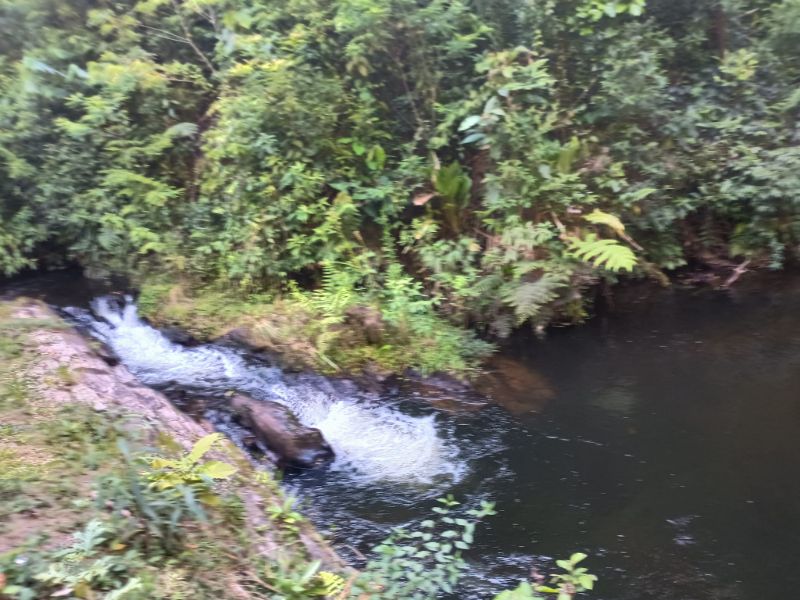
x: 530, y: 297
x: 607, y: 254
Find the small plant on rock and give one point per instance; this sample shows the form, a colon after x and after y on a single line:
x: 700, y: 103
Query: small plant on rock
x: 285, y: 514
x: 190, y: 470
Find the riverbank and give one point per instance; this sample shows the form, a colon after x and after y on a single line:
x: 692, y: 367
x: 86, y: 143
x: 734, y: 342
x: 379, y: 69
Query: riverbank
x: 326, y: 331
x: 104, y: 488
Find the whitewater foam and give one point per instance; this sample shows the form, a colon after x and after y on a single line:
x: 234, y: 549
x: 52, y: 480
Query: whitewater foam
x: 372, y: 441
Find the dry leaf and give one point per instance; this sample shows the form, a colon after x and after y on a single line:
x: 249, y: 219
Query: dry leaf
x: 422, y: 199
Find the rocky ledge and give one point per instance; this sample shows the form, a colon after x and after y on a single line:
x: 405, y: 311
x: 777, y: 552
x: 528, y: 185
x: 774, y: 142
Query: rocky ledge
x: 111, y: 387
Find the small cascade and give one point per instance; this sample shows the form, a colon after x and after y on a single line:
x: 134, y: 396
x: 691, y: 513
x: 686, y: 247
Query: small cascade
x: 373, y: 441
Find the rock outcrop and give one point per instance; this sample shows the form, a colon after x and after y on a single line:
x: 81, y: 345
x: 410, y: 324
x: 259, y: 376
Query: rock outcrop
x: 275, y: 426
x: 107, y: 387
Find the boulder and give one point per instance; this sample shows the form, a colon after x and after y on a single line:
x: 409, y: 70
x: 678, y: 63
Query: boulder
x: 179, y: 336
x: 442, y: 391
x: 278, y: 428
x: 368, y: 321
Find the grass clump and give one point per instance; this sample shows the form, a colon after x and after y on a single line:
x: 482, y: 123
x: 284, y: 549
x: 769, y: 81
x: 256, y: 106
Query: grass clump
x: 151, y: 523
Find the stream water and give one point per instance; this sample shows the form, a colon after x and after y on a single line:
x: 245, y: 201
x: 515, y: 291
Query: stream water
x: 662, y: 439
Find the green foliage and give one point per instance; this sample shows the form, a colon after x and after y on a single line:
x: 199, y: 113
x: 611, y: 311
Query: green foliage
x: 609, y: 254
x: 79, y: 571
x: 462, y: 154
x: 594, y: 10
x: 566, y: 585
x: 412, y: 334
x: 190, y: 470
x: 285, y: 514
x: 287, y: 580
x: 421, y: 564
x: 144, y: 542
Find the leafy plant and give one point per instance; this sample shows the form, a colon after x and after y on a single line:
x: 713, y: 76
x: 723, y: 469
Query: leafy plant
x: 159, y: 505
x: 288, y: 580
x: 563, y: 586
x: 609, y: 254
x: 80, y: 570
x: 420, y: 564
x: 284, y: 514
x: 190, y: 469
x: 453, y: 186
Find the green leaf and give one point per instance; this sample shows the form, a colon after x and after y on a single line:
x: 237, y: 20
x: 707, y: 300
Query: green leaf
x: 530, y: 297
x: 639, y: 195
x: 567, y: 156
x: 474, y: 137
x: 202, y: 446
x: 523, y: 592
x: 598, y: 217
x: 469, y: 122
x: 577, y: 557
x: 608, y: 254
x: 217, y: 469
x: 587, y: 581
x: 180, y: 130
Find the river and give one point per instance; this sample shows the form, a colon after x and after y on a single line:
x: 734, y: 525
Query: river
x: 661, y: 437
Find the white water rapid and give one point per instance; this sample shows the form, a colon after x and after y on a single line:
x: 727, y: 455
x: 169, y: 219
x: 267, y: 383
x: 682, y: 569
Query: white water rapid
x: 372, y: 440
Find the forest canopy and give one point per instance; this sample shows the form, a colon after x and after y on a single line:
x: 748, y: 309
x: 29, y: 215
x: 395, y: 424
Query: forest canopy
x: 474, y: 163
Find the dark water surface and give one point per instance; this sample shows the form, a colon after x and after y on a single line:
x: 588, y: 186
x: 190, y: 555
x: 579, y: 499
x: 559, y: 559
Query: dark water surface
x: 662, y: 438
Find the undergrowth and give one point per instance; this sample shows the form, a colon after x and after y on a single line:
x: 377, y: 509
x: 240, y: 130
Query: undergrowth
x: 337, y: 328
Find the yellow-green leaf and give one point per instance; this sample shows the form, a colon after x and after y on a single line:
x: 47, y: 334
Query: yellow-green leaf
x: 217, y: 469
x: 598, y: 217
x: 202, y: 446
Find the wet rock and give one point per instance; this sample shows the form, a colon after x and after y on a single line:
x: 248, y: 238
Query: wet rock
x: 240, y: 337
x: 443, y: 391
x: 243, y: 338
x: 515, y: 386
x: 105, y: 353
x: 278, y: 428
x: 176, y: 335
x: 368, y: 320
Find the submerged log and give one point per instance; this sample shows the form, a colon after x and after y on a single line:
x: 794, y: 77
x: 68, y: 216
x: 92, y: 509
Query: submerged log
x: 278, y: 428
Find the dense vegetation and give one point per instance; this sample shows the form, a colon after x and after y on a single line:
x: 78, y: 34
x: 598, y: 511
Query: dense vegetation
x: 445, y: 163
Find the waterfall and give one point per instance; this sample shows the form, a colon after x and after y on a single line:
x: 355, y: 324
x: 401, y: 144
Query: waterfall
x: 373, y: 440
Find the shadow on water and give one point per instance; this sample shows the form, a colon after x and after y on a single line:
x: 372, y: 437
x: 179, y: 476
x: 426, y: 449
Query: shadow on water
x: 662, y: 438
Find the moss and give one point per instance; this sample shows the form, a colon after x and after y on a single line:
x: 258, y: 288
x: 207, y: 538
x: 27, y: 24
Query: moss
x: 305, y: 333
x: 205, y: 313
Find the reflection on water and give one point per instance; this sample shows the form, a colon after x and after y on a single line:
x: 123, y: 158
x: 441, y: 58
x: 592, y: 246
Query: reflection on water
x: 516, y: 386
x: 663, y: 440
x: 672, y: 451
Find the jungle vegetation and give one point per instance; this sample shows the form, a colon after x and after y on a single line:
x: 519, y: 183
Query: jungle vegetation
x: 459, y: 167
